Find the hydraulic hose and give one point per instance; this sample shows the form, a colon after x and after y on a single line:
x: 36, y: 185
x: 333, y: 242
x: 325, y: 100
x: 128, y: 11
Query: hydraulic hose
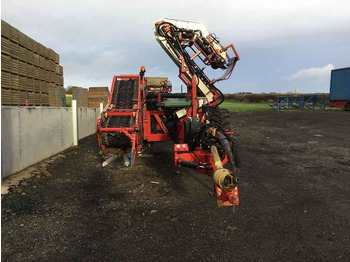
x: 225, y: 144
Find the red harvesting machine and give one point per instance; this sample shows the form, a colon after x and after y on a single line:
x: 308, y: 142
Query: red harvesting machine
x: 142, y: 110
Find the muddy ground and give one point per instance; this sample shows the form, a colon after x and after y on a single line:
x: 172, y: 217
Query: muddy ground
x: 294, y: 192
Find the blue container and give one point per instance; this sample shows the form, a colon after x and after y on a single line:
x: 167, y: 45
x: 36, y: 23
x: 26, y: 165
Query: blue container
x: 340, y: 84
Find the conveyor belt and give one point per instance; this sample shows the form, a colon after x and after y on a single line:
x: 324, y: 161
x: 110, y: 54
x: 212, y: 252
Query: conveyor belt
x: 124, y: 97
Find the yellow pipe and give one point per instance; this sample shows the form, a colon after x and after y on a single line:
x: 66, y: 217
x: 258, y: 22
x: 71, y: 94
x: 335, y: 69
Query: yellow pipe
x: 216, y: 157
x: 222, y: 177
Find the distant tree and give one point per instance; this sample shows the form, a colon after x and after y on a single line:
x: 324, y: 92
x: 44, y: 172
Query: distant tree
x: 68, y: 90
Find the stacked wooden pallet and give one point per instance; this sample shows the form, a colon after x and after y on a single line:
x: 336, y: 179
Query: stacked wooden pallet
x: 81, y: 96
x: 28, y: 67
x: 98, y: 95
x: 57, y: 96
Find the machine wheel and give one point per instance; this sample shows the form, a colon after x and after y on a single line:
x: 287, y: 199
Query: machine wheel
x: 220, y: 117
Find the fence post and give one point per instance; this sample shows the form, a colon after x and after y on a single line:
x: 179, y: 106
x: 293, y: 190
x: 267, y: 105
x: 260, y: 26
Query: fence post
x: 75, y: 122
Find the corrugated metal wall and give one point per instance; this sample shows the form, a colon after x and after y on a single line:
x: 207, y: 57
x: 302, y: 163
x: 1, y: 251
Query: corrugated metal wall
x: 340, y: 84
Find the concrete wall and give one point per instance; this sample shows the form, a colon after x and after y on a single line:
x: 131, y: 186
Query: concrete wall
x: 87, y: 121
x: 31, y: 134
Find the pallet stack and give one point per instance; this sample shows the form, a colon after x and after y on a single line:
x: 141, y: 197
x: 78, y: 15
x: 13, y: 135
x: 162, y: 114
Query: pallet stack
x: 81, y: 96
x: 57, y: 96
x: 98, y: 95
x: 29, y: 67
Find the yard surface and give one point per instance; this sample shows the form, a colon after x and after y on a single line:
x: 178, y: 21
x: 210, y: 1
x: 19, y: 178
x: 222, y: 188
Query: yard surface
x: 294, y: 192
x: 245, y: 107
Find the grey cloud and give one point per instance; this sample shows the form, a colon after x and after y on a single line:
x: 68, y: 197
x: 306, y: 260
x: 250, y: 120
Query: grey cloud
x: 97, y: 39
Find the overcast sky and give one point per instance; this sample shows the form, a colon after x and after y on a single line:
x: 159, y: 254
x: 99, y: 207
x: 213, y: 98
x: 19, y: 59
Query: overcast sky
x: 283, y: 45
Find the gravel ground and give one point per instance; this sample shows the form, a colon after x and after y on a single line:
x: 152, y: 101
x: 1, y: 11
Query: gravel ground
x: 294, y: 192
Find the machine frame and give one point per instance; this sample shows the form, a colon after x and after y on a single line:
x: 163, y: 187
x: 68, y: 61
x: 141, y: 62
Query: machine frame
x: 210, y: 144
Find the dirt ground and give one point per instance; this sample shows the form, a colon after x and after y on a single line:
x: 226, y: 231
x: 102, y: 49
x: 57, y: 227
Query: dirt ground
x: 294, y: 192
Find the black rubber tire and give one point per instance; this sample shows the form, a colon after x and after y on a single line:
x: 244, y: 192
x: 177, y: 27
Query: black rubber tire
x: 220, y: 117
x: 225, y: 118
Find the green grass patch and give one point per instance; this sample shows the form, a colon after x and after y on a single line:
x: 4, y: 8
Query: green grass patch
x: 244, y: 107
x: 69, y: 100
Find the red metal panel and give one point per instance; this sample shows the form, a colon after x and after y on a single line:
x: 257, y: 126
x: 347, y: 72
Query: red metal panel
x: 116, y: 129
x: 161, y: 124
x: 340, y: 104
x: 120, y: 113
x: 147, y: 131
x: 111, y: 93
x: 158, y: 138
